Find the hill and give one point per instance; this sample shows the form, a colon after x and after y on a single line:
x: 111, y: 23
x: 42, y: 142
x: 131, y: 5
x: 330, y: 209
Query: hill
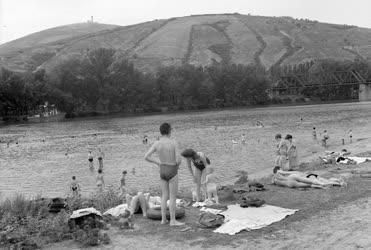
x: 197, y: 39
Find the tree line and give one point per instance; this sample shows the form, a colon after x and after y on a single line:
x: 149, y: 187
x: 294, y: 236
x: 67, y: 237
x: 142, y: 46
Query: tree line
x: 102, y: 80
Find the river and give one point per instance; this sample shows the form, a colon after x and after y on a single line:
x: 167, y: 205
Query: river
x: 39, y: 164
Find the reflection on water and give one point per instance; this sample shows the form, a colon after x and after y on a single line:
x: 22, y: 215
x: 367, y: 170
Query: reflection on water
x: 39, y: 163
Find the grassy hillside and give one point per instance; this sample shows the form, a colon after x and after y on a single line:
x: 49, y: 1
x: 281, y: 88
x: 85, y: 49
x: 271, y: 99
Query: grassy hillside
x: 198, y: 40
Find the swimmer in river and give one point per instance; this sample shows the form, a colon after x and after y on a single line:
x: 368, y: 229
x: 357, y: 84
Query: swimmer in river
x: 100, y: 180
x: 123, y: 183
x: 350, y: 134
x: 90, y: 159
x: 100, y: 158
x: 325, y: 138
x: 243, y: 139
x: 75, y: 187
x: 259, y: 124
x: 145, y: 139
x: 314, y: 134
x: 169, y: 162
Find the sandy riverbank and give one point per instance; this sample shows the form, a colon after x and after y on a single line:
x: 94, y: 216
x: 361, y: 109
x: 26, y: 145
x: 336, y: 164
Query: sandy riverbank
x: 327, y: 219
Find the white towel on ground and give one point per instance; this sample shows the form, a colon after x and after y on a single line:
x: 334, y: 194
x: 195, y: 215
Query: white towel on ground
x: 250, y: 218
x: 117, y: 211
x: 359, y: 159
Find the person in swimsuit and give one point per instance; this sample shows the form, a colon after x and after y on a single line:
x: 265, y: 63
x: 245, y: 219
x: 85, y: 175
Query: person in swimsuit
x: 243, y: 139
x: 325, y: 138
x: 100, y: 158
x: 200, y: 161
x: 90, y: 159
x: 123, y: 182
x: 169, y: 161
x: 100, y: 180
x: 74, y: 187
x: 145, y: 139
x: 314, y: 134
x: 277, y: 161
x: 292, y: 153
x: 211, y: 186
x: 295, y: 179
x: 350, y: 134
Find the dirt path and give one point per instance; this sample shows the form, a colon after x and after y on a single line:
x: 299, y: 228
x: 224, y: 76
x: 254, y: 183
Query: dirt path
x: 348, y: 227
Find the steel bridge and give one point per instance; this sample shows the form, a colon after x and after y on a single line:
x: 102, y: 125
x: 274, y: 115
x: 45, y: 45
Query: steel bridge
x: 295, y: 83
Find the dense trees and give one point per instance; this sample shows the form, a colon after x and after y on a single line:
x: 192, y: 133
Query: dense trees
x: 103, y: 80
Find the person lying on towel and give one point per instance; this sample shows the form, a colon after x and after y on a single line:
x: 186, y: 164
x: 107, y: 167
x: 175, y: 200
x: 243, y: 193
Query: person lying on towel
x: 296, y: 179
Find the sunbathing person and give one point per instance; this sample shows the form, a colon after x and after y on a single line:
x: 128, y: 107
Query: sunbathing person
x: 295, y: 179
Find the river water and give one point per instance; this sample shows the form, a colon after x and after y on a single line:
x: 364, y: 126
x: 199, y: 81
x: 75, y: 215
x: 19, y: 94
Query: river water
x: 39, y: 164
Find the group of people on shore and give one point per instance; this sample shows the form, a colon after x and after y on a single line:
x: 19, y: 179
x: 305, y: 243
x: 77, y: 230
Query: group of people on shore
x: 286, y: 153
x: 169, y: 160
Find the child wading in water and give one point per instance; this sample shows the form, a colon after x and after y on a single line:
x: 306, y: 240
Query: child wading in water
x: 74, y: 187
x: 123, y: 182
x: 211, y: 186
x: 100, y: 180
x: 314, y: 134
x: 100, y: 158
x: 90, y: 159
x: 325, y: 138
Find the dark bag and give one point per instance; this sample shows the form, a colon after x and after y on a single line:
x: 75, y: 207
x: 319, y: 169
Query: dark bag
x: 225, y: 193
x: 248, y: 201
x: 57, y: 204
x: 211, y: 220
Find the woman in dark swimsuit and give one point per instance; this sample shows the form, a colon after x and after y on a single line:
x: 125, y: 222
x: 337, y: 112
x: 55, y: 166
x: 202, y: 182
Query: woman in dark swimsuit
x: 200, y: 161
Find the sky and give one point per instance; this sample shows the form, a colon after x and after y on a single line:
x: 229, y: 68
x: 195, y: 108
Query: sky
x: 22, y: 17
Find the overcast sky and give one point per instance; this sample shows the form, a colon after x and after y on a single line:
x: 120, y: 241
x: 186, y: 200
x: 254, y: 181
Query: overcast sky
x: 21, y: 17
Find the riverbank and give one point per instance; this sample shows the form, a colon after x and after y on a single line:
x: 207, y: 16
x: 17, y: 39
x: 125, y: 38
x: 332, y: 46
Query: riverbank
x: 327, y: 219
x: 94, y: 114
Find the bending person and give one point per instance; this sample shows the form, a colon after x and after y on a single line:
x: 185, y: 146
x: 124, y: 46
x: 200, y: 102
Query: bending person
x: 200, y: 161
x: 170, y: 160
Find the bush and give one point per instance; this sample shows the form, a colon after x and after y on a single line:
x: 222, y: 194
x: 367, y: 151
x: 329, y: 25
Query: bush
x: 107, y: 199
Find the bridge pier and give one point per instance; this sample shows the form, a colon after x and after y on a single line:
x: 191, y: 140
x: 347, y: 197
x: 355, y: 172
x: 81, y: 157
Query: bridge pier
x: 364, y: 92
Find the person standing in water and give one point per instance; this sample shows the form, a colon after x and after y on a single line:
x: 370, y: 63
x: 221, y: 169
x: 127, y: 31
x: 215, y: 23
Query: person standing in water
x: 314, y: 134
x: 123, y: 182
x: 169, y: 161
x: 243, y: 139
x: 325, y: 138
x: 350, y: 134
x: 90, y: 159
x: 100, y: 158
x: 75, y: 187
x: 200, y: 161
x: 100, y: 180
